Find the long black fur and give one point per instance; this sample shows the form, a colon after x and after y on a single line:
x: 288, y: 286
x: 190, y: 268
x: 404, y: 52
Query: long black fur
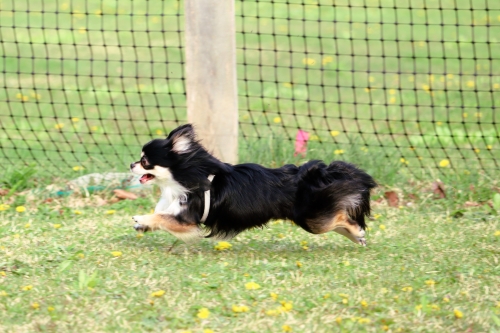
x: 248, y: 195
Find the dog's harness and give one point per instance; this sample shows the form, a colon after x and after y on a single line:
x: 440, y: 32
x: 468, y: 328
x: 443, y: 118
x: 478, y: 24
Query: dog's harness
x: 207, y: 201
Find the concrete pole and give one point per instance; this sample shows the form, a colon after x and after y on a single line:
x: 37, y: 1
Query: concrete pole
x: 212, y: 101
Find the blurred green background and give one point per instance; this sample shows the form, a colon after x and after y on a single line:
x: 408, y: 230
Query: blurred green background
x: 409, y: 87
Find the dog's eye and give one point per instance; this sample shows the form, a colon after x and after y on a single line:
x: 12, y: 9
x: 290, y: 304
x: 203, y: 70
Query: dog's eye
x: 144, y: 162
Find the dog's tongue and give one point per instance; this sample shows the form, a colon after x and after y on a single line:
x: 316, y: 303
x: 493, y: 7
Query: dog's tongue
x: 145, y: 178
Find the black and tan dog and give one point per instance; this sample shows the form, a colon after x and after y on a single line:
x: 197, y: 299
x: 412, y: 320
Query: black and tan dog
x: 201, y: 196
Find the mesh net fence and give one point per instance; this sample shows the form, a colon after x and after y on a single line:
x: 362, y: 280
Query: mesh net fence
x: 415, y: 82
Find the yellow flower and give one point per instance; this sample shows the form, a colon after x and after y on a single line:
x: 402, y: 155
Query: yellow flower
x: 274, y: 296
x: 20, y: 209
x: 435, y: 307
x: 35, y: 305
x: 56, y: 226
x: 430, y: 282
x: 334, y: 133
x: 3, y: 293
x: 449, y: 76
x: 444, y: 163
x: 50, y: 309
x: 309, y: 61
x: 299, y: 264
x: 16, y: 235
x: 139, y: 235
x: 287, y: 85
x: 19, y: 96
x: 489, y: 147
x: 286, y: 328
x: 327, y: 60
x: 94, y: 128
x: 382, y: 227
x: 363, y: 320
x: 470, y: 84
x: 208, y: 330
x: 77, y: 168
x: 446, y: 299
x: 338, y: 320
x: 98, y: 12
x: 158, y: 293
x: 251, y: 286
x: 344, y: 295
x: 77, y: 212
x: 408, y: 289
x: 27, y: 225
x: 338, y: 151
x: 385, y: 328
x: 116, y: 253
x: 458, y: 314
x: 277, y: 120
x: 203, y: 313
x: 478, y: 114
x: 346, y: 263
x: 240, y: 308
x: 2, y: 273
x: 392, y: 100
x: 159, y: 132
x: 439, y: 123
x: 496, y: 86
x: 377, y: 216
x: 80, y: 255
x: 364, y: 148
x: 26, y: 288
x: 4, y: 207
x: 371, y: 79
x: 465, y: 114
x: 25, y: 98
x: 477, y: 150
x: 221, y: 246
x: 110, y: 212
x: 418, y: 307
x: 426, y: 87
x: 497, y: 233
x: 59, y: 126
x: 367, y: 89
x: 326, y: 296
x: 392, y: 92
x: 345, y: 301
x: 287, y: 306
x: 273, y: 312
x: 364, y: 303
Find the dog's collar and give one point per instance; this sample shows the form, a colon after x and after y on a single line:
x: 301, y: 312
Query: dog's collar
x: 207, y: 201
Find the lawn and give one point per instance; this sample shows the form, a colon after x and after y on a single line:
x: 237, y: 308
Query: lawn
x: 430, y: 265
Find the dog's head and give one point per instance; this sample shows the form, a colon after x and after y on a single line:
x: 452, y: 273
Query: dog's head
x: 160, y: 156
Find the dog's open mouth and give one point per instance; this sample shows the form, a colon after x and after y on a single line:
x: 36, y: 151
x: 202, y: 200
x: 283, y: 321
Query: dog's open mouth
x: 145, y: 178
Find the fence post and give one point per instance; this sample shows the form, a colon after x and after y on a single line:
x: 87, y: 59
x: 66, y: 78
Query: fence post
x: 212, y: 101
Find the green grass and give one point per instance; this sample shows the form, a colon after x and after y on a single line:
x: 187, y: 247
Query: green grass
x: 435, y: 102
x: 421, y: 263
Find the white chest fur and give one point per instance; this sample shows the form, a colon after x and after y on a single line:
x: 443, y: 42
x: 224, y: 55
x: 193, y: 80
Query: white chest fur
x: 170, y: 200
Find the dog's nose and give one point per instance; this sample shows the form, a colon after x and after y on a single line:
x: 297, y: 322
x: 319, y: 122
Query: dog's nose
x: 132, y: 165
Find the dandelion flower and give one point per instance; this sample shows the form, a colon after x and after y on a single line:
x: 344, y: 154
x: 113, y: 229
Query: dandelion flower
x: 477, y: 150
x: 251, y: 286
x: 277, y: 120
x: 299, y: 264
x: 203, y: 313
x: 470, y: 84
x: 392, y: 100
x: 338, y: 320
x: 77, y: 168
x: 274, y: 296
x: 326, y: 296
x: 382, y: 227
x: 208, y: 330
x: 139, y: 235
x: 240, y: 308
x: 446, y: 299
x: 377, y: 216
x: 20, y: 209
x: 430, y: 282
x: 27, y: 288
x: 116, y: 253
x: 458, y: 314
x: 327, y: 60
x: 221, y: 246
x: 94, y: 128
x: 287, y: 85
x: 56, y: 226
x: 80, y: 255
x: 497, y: 233
x: 435, y: 307
x: 98, y: 12
x: 489, y: 147
x: 286, y: 328
x: 309, y: 61
x: 3, y: 293
x: 334, y: 133
x: 496, y: 86
x: 77, y: 212
x: 27, y: 225
x: 444, y: 163
x: 35, y: 305
x: 110, y: 212
x: 158, y: 293
x: 287, y: 306
x: 345, y: 301
x: 364, y: 303
x: 338, y: 151
x: 159, y: 132
x: 50, y: 309
x: 364, y: 320
x: 4, y: 207
x: 407, y: 289
x: 2, y: 273
x: 59, y: 126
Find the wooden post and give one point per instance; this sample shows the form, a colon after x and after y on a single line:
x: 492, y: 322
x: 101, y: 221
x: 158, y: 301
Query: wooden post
x: 212, y: 101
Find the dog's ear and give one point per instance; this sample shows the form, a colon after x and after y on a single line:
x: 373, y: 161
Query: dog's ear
x: 183, y: 139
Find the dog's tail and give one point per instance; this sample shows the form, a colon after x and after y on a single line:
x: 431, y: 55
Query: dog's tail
x: 324, y: 191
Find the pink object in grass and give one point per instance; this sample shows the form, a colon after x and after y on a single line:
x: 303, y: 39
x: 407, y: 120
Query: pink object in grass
x: 301, y: 143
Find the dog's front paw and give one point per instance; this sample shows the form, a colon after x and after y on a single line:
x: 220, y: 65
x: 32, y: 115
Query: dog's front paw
x: 138, y: 226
